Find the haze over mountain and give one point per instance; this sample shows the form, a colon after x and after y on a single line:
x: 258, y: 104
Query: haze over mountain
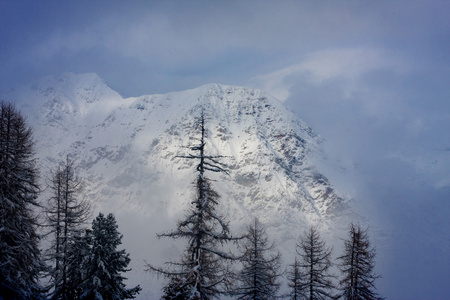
x: 127, y: 155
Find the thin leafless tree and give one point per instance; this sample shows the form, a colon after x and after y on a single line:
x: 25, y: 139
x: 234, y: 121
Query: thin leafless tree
x: 316, y: 280
x: 357, y: 266
x: 203, y: 271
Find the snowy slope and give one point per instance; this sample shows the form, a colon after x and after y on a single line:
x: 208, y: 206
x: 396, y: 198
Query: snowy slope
x: 127, y: 149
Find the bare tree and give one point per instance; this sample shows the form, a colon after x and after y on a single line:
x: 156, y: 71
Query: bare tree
x: 357, y: 266
x: 258, y: 278
x: 315, y: 282
x: 203, y: 271
x: 20, y: 262
x: 66, y: 215
x: 295, y: 277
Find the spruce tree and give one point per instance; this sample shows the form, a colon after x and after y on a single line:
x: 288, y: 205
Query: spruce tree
x: 106, y: 263
x: 258, y: 278
x: 20, y: 261
x: 202, y: 272
x: 357, y: 266
x: 316, y: 281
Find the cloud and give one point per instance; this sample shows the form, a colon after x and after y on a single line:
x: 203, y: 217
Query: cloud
x: 161, y: 46
x: 369, y: 76
x: 350, y: 63
x: 345, y: 64
x: 365, y: 102
x: 211, y: 40
x: 62, y: 43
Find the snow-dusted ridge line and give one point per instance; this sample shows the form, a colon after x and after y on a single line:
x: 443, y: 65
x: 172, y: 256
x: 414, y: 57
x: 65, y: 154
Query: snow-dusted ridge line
x: 128, y: 151
x: 270, y: 150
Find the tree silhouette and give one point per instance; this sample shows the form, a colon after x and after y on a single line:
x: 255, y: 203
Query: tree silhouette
x: 357, y: 266
x: 66, y: 215
x: 106, y: 264
x: 202, y: 272
x: 294, y: 277
x: 258, y: 278
x: 315, y: 279
x: 20, y: 262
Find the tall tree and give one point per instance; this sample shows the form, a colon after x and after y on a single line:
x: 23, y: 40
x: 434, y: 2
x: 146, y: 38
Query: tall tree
x: 66, y: 215
x: 316, y: 281
x: 54, y: 213
x: 357, y: 266
x: 258, y: 278
x: 202, y: 272
x: 20, y: 263
x: 104, y: 278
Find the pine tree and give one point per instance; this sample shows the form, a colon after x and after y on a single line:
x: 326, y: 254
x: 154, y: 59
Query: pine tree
x: 20, y: 262
x: 66, y: 215
x: 202, y: 272
x: 106, y: 264
x: 258, y: 278
x: 357, y: 266
x: 315, y: 280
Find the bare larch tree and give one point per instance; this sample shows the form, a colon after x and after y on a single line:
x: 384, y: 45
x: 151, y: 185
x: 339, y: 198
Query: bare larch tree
x: 316, y: 281
x: 203, y: 271
x: 258, y: 278
x: 66, y: 215
x: 357, y: 266
x: 294, y: 278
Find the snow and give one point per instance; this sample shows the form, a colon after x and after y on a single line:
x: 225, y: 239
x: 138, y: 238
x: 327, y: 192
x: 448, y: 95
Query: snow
x: 127, y: 155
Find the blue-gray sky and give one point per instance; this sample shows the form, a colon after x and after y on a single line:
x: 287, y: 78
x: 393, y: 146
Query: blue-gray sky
x: 372, y: 77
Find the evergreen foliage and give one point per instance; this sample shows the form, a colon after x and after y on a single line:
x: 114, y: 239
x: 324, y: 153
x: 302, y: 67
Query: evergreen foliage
x: 79, y: 258
x: 20, y: 262
x: 258, y: 278
x: 315, y: 280
x: 106, y: 264
x: 357, y: 266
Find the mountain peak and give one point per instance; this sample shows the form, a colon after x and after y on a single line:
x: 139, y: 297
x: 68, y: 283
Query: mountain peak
x: 81, y: 88
x: 128, y: 152
x: 263, y: 139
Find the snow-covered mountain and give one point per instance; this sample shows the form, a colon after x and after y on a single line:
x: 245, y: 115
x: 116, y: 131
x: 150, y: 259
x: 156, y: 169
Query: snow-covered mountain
x: 127, y: 153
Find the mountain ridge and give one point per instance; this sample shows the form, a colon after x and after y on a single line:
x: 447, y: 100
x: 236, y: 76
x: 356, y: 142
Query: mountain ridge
x: 128, y: 155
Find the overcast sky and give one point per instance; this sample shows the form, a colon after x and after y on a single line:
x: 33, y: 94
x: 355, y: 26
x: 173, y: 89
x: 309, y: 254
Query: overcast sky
x: 372, y: 77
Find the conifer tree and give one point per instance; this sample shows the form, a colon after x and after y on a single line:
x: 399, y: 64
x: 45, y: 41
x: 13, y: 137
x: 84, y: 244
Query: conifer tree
x: 294, y: 277
x: 106, y: 263
x: 202, y: 272
x: 55, y: 224
x: 315, y: 279
x: 20, y: 262
x: 79, y: 260
x: 66, y: 215
x: 357, y: 266
x: 258, y: 278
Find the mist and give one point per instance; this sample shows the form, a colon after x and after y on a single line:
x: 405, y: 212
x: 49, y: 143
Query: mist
x: 370, y: 77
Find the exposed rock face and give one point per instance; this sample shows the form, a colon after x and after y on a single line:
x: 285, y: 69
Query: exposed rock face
x: 128, y: 148
x: 127, y: 152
